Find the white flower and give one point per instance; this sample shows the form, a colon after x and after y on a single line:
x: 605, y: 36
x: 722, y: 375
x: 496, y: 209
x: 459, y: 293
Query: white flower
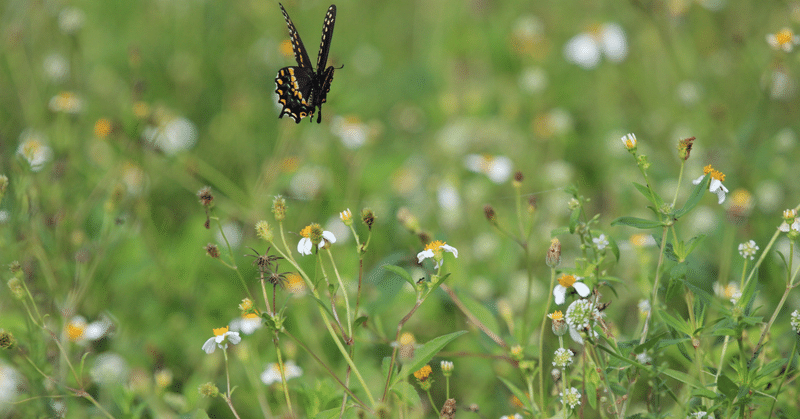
x: 305, y: 245
x: 109, y: 369
x: 10, y: 386
x: 586, y: 49
x: 272, y: 374
x: 730, y: 292
x: 580, y: 315
x: 352, y: 132
x: 172, y: 135
x: 790, y: 221
x: 67, y: 102
x: 562, y: 357
x: 567, y: 281
x: 716, y: 185
x: 514, y: 416
x: 81, y: 332
x: 572, y: 398
x: 601, y: 242
x: 644, y: 306
x: 795, y: 322
x: 748, y: 249
x: 784, y: 40
x: 246, y: 324
x: 629, y: 140
x: 221, y: 338
x: 643, y: 358
x: 435, y: 250
x: 497, y: 168
x: 33, y: 149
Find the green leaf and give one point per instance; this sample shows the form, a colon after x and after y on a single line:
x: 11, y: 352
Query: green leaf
x: 407, y: 393
x: 591, y: 394
x: 402, y: 273
x: 635, y: 222
x: 328, y: 414
x: 360, y: 321
x: 618, y: 389
x: 689, y: 380
x: 387, y: 360
x: 426, y: 353
x: 574, y: 218
x: 694, y: 198
x: 518, y: 393
x: 676, y: 324
x: 727, y: 387
x: 651, y: 195
x: 480, y: 312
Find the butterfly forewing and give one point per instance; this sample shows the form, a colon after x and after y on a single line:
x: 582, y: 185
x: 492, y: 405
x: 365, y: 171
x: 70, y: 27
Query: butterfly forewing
x: 300, y: 54
x: 301, y: 89
x: 327, y: 36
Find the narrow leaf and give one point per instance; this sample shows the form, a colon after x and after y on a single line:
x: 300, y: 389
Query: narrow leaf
x: 694, y: 198
x: 517, y: 392
x: 402, y: 273
x: 427, y: 352
x: 635, y: 222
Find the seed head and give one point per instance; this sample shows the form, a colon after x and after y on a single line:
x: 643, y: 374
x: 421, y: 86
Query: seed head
x: 279, y: 208
x: 206, y: 198
x: 368, y: 217
x: 212, y: 250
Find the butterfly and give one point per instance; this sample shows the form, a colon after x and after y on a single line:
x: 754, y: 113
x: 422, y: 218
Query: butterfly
x: 301, y: 89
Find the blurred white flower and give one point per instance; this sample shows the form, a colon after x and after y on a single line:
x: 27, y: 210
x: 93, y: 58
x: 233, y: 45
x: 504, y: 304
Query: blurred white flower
x: 10, y: 386
x: 56, y: 67
x: 246, y: 324
x: 448, y: 197
x: 781, y: 85
x: 350, y: 130
x: 33, y: 149
x: 729, y: 292
x: 272, y: 374
x: 109, y: 369
x: 233, y: 232
x: 784, y: 39
x: 497, y: 168
x: 533, y: 80
x: 307, y: 182
x: 67, y: 102
x: 81, y: 332
x: 172, y: 136
x: 586, y: 49
x: 71, y: 20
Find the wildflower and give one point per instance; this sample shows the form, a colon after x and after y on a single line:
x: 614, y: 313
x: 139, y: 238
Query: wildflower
x: 790, y: 221
x: 642, y: 240
x: 567, y: 281
x: 264, y: 231
x: 109, y: 369
x: 730, y: 292
x: 351, y: 131
x: 102, y: 128
x: 33, y: 149
x: 553, y: 258
x: 516, y: 352
x: 79, y: 331
x: 406, y: 345
x: 601, y: 242
x: 579, y: 316
x: 212, y: 250
x: 784, y: 40
x: 748, y: 249
x: 221, y: 338
x: 205, y: 196
x: 685, y: 148
x: 272, y: 374
x: 163, y: 378
x: 700, y: 415
x: 347, y: 217
x: 643, y: 358
x: 629, y: 140
x: 436, y: 251
x: 313, y: 234
x: 7, y: 340
x: 563, y: 357
x: 716, y: 185
x: 247, y: 323
x: 11, y: 383
x: 368, y: 217
x: 172, y: 134
x: 514, y: 416
x: 447, y: 368
x: 279, y: 208
x: 67, y: 102
x: 586, y: 49
x: 71, y: 20
x: 496, y: 168
x: 559, y: 325
x: 423, y: 373
x: 295, y: 284
x: 208, y: 389
x: 796, y: 321
x: 572, y: 398
x: 644, y: 307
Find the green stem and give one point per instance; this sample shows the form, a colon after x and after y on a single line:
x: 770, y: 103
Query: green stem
x: 783, y: 377
x: 283, y: 375
x: 653, y: 299
x: 541, y: 336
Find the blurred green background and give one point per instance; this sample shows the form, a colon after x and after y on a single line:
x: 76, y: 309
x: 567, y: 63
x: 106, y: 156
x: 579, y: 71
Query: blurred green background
x: 145, y: 102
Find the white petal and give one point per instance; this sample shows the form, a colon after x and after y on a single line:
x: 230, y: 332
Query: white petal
x: 575, y: 335
x: 698, y: 180
x: 210, y: 345
x: 582, y: 289
x: 450, y: 249
x: 233, y: 337
x: 304, y: 246
x: 327, y: 235
x: 560, y: 293
x: 784, y: 227
x: 613, y: 42
x: 500, y: 169
x: 583, y: 51
x: 425, y: 254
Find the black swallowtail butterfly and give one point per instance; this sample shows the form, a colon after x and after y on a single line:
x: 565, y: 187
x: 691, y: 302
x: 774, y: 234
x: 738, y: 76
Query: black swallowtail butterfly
x: 300, y: 89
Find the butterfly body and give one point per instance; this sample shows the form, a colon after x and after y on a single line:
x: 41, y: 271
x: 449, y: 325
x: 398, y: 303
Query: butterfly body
x: 301, y: 89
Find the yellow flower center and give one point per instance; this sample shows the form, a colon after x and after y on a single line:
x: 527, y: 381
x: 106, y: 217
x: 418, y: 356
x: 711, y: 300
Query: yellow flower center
x: 742, y: 198
x: 715, y: 174
x: 730, y: 290
x: 250, y: 316
x: 784, y: 36
x: 556, y: 315
x: 246, y: 304
x: 407, y: 339
x: 306, y: 231
x: 75, y: 331
x: 102, y: 128
x: 566, y: 281
x: 221, y: 331
x: 486, y: 163
x: 295, y: 283
x: 423, y: 373
x: 31, y: 149
x: 638, y: 239
x: 516, y: 350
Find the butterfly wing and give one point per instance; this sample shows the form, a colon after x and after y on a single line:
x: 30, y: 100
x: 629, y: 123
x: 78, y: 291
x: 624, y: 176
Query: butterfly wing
x: 327, y: 36
x: 295, y: 89
x: 300, y: 54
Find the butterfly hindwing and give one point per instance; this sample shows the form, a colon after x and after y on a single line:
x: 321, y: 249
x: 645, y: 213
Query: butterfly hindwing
x: 301, y: 89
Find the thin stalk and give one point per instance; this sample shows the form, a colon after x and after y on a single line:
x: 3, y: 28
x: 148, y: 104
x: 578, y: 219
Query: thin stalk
x: 283, y: 375
x: 653, y: 299
x: 783, y: 377
x: 541, y: 335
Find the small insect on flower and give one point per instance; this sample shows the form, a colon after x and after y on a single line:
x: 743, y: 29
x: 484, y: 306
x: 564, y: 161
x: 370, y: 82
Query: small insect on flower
x: 435, y: 250
x: 716, y: 185
x: 567, y: 281
x: 221, y: 338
